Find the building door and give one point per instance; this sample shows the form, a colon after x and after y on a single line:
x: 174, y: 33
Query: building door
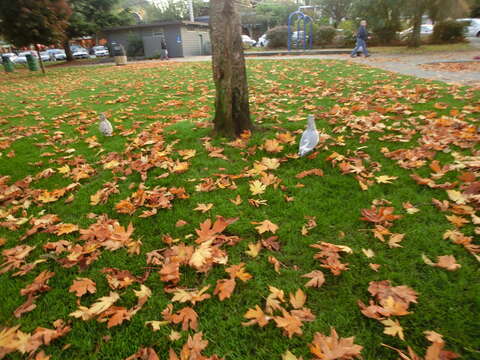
x: 201, y: 43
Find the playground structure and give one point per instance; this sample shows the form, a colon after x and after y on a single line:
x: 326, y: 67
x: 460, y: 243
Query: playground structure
x: 300, y: 19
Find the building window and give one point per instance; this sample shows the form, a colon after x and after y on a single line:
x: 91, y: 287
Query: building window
x: 158, y: 33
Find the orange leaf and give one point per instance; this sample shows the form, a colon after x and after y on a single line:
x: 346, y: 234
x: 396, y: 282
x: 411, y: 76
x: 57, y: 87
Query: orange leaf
x: 265, y: 226
x: 83, y: 285
x: 224, y: 288
x: 317, y: 278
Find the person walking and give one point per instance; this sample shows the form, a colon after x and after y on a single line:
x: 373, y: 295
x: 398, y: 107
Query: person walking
x: 362, y: 36
x: 163, y: 51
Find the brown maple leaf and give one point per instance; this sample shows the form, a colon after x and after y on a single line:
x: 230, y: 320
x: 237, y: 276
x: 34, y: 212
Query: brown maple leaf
x: 317, y: 278
x: 224, y: 288
x: 334, y: 348
x: 188, y: 317
x: 289, y: 323
x: 256, y: 316
x: 265, y: 226
x: 81, y: 286
x: 317, y: 172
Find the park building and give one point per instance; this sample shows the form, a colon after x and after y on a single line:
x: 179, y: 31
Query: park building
x: 183, y: 38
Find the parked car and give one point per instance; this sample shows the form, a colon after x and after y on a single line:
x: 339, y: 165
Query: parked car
x: 100, y: 51
x: 45, y: 56
x: 297, y: 37
x: 472, y: 27
x: 57, y: 54
x: 11, y: 56
x: 79, y: 52
x: 248, y: 41
x: 425, y: 31
x: 262, y: 41
x: 21, y: 58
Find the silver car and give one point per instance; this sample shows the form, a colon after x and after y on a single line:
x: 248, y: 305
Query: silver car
x: 57, y: 54
x: 79, y: 52
x: 100, y: 51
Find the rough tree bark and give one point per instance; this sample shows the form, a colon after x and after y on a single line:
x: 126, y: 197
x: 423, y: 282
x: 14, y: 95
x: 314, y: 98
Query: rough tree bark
x: 68, y: 51
x: 232, y: 112
x: 414, y: 40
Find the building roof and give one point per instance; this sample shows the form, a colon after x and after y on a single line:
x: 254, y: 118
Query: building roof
x: 154, y: 24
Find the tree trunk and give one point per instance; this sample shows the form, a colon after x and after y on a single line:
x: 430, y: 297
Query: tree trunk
x: 415, y: 40
x: 40, y: 58
x: 232, y: 113
x: 68, y: 51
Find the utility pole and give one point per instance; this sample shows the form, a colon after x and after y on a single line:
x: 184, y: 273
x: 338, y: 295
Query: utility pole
x: 190, y: 8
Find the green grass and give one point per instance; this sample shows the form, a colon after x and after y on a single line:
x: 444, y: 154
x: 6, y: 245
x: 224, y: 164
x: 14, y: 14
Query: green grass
x: 34, y: 107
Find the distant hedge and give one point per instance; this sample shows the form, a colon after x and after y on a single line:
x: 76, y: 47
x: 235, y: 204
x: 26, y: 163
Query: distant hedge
x: 448, y: 32
x: 277, y: 37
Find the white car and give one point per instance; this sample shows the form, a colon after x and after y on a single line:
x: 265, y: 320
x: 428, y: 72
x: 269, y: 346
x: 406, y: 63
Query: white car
x: 22, y: 57
x: 11, y: 56
x: 247, y: 40
x: 100, y: 51
x: 425, y: 31
x: 57, y: 54
x: 45, y: 56
x: 472, y: 27
x: 262, y: 41
x: 79, y: 52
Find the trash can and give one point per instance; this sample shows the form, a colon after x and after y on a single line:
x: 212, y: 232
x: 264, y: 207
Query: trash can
x: 119, y: 54
x: 7, y: 64
x: 32, y: 62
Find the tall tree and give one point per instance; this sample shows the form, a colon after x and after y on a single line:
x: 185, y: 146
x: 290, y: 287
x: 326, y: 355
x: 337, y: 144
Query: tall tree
x: 335, y: 9
x: 275, y: 13
x: 383, y: 17
x: 28, y: 22
x: 439, y: 10
x: 90, y: 16
x: 232, y: 113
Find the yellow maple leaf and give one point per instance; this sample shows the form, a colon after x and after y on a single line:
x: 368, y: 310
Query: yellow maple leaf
x: 385, y: 179
x: 203, y: 207
x: 393, y: 328
x: 265, y: 226
x: 257, y: 187
x: 254, y: 249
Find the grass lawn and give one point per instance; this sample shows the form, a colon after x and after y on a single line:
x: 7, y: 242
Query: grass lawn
x: 159, y: 111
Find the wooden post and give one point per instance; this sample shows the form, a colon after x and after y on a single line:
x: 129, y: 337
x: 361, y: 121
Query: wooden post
x: 40, y: 58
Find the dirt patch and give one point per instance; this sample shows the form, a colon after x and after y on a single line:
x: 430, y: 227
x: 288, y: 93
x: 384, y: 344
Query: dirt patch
x: 473, y: 66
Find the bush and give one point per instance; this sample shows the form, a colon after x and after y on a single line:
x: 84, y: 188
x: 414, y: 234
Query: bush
x: 448, y: 32
x: 386, y: 34
x: 277, y: 37
x: 135, y: 46
x: 346, y: 38
x: 323, y: 35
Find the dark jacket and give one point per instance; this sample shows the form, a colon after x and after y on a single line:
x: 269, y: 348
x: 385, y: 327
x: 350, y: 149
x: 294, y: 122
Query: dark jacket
x: 362, y: 33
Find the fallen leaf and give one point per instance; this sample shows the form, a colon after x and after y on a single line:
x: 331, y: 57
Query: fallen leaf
x: 254, y: 249
x: 266, y: 226
x: 298, y: 299
x: 393, y: 328
x: 317, y: 278
x: 81, y: 286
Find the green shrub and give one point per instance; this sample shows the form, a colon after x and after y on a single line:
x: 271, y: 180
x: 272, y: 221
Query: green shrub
x: 135, y: 46
x: 448, y: 32
x: 277, y: 37
x: 323, y: 35
x: 386, y: 34
x: 345, y: 38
